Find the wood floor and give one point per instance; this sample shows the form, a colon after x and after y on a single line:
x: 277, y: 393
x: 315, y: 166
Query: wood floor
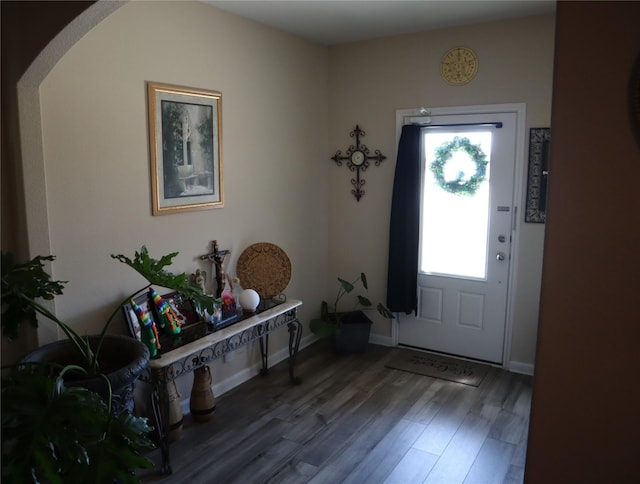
x: 352, y: 420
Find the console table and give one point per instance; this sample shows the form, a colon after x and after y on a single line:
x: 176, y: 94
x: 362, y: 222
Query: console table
x: 186, y: 358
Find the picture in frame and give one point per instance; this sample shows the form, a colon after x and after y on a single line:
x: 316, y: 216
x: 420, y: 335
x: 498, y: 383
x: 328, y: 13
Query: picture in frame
x: 133, y: 324
x: 183, y: 308
x: 536, y: 208
x: 185, y: 148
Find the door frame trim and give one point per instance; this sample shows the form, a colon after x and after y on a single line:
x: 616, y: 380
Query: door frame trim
x: 520, y: 109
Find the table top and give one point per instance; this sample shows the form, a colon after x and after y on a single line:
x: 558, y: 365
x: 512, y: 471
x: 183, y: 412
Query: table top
x: 211, y: 339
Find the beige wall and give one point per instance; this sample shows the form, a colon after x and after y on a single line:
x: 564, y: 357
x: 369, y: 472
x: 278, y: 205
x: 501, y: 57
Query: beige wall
x: 370, y: 80
x: 274, y: 137
x: 287, y: 106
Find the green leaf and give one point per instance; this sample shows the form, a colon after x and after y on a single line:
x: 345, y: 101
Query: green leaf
x: 363, y: 278
x: 346, y: 285
x: 322, y: 328
x: 118, y: 452
x: 153, y: 271
x: 384, y: 311
x: 364, y: 301
x: 21, y: 285
x: 54, y: 433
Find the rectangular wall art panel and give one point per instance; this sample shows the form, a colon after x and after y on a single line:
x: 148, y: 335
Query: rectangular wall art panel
x: 538, y: 176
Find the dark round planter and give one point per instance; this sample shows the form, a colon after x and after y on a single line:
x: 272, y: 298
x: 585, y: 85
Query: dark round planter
x: 122, y: 359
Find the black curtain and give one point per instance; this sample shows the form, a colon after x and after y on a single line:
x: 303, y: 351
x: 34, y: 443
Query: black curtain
x: 402, y: 278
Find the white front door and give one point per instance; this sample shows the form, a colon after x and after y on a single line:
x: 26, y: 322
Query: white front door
x: 465, y: 236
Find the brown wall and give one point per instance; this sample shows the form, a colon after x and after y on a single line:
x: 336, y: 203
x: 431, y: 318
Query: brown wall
x: 586, y: 403
x: 27, y: 28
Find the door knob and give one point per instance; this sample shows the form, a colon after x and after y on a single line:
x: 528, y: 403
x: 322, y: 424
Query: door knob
x: 500, y: 256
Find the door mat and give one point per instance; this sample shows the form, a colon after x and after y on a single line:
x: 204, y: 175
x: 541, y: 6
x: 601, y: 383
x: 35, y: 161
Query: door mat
x: 437, y: 366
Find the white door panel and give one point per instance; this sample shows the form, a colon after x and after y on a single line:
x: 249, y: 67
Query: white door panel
x: 465, y: 246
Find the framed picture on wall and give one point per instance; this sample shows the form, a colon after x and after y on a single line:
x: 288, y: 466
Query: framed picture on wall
x: 185, y: 147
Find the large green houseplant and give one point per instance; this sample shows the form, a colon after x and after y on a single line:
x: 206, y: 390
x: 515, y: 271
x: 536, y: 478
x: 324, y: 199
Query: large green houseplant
x: 349, y: 329
x: 60, y: 434
x: 23, y: 284
x: 55, y: 427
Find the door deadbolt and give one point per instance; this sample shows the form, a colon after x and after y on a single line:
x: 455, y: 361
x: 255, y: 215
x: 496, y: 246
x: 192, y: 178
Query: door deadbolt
x: 500, y: 256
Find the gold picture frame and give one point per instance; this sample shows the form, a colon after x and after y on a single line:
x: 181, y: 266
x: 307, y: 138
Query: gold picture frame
x: 185, y: 148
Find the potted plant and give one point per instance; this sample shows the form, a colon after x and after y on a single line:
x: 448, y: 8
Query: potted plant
x: 57, y: 433
x: 349, y: 330
x: 105, y: 364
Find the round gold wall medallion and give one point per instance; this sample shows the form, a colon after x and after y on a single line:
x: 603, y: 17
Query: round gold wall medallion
x: 458, y: 66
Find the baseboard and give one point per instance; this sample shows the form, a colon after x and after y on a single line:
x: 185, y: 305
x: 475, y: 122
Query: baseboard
x: 220, y: 388
x: 378, y: 339
x: 519, y: 367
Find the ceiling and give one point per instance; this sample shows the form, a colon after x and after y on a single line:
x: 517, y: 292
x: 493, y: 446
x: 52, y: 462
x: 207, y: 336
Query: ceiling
x: 330, y: 22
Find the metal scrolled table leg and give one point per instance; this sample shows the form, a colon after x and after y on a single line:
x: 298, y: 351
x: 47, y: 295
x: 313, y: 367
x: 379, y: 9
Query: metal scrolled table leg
x: 160, y: 405
x: 295, y: 335
x: 264, y: 352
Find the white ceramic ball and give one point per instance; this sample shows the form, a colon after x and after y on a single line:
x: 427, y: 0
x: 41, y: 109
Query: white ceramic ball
x: 249, y: 300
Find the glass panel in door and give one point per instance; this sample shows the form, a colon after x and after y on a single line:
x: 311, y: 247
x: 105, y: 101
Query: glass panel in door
x: 455, y: 211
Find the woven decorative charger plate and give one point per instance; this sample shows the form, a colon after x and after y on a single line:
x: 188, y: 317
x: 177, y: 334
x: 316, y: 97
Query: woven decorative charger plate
x: 265, y: 268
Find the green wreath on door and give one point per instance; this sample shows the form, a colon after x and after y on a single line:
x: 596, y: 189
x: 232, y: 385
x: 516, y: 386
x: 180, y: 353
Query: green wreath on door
x: 459, y: 186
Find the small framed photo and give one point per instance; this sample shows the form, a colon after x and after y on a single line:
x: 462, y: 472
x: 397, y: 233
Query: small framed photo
x: 183, y: 308
x: 185, y: 147
x: 133, y: 323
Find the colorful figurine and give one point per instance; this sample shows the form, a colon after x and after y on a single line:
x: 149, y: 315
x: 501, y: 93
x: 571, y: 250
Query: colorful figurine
x: 170, y: 321
x: 148, y: 331
x: 228, y: 299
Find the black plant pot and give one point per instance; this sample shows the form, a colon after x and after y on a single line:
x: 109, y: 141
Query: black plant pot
x: 352, y: 334
x: 122, y: 359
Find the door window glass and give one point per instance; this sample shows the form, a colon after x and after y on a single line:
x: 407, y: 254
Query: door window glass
x: 455, y: 210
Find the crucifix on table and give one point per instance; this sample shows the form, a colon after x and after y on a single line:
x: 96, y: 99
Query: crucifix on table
x: 216, y: 257
x: 357, y: 158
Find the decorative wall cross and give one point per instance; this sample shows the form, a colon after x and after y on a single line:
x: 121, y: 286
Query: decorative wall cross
x: 216, y: 257
x: 357, y: 158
